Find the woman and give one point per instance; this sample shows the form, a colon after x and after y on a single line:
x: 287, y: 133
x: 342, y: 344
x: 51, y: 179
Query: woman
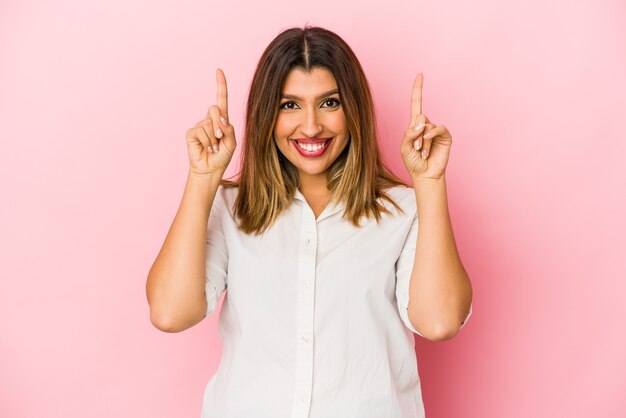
x: 317, y: 243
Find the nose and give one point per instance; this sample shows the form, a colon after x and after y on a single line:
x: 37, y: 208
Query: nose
x: 311, y: 125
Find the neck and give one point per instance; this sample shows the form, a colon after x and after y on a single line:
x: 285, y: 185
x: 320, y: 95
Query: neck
x: 316, y: 184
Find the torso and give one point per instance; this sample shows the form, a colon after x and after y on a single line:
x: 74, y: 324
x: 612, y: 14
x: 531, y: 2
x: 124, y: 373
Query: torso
x: 314, y: 307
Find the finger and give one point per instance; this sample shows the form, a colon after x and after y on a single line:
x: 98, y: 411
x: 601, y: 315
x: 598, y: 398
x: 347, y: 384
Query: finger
x: 214, y: 115
x: 430, y: 134
x: 227, y: 128
x: 418, y: 121
x: 198, y: 133
x: 416, y: 96
x: 207, y: 125
x: 222, y: 93
x: 418, y: 126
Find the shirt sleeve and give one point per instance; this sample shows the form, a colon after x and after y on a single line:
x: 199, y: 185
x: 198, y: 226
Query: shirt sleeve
x: 404, y: 268
x: 216, y: 259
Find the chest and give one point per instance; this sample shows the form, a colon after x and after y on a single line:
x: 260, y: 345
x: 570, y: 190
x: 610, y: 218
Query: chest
x: 333, y: 258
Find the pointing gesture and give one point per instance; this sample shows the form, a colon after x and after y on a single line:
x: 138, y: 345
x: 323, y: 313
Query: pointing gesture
x: 211, y: 142
x: 425, y: 147
x: 222, y: 92
x: 416, y: 97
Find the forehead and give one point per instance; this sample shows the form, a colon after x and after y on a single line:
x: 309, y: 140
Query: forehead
x: 301, y: 82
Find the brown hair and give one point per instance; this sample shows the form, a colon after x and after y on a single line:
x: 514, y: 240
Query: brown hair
x: 267, y: 181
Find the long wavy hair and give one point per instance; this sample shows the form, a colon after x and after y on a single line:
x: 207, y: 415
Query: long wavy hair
x: 267, y: 181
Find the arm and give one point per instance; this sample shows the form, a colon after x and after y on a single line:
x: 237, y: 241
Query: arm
x: 176, y: 282
x: 440, y: 292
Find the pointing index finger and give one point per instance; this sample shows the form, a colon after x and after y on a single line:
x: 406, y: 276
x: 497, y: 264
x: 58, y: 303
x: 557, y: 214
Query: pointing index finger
x: 222, y: 92
x: 416, y: 97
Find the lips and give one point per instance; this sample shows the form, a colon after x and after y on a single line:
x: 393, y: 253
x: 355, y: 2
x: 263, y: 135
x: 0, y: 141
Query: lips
x: 311, y: 140
x: 311, y: 147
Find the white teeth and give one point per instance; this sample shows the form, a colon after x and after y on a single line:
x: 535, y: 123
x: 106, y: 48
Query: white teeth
x: 311, y: 147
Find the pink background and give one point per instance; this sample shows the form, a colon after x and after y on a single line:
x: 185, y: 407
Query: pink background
x: 95, y: 100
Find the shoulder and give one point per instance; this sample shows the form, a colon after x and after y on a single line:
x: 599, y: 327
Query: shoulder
x: 401, y: 193
x: 225, y: 197
x: 227, y: 191
x: 403, y: 196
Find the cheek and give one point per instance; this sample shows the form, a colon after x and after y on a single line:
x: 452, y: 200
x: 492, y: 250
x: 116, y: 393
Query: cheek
x: 339, y: 124
x: 283, y: 126
x: 281, y: 134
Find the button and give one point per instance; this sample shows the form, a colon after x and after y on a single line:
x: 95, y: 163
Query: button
x: 310, y: 241
x: 305, y: 339
x: 306, y: 283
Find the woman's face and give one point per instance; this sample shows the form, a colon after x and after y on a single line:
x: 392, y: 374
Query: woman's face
x: 311, y: 129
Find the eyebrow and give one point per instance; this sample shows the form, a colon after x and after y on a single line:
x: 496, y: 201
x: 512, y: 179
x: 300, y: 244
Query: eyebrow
x: 294, y: 97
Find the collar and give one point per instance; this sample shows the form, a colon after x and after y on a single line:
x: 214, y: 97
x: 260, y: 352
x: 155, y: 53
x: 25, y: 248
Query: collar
x: 331, y: 208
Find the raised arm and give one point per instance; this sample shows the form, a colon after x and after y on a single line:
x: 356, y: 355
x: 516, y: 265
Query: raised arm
x: 440, y: 291
x: 176, y: 282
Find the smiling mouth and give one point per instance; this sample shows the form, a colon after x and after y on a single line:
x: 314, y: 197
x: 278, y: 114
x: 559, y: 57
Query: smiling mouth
x: 312, y: 146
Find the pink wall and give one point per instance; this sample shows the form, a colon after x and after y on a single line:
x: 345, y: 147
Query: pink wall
x: 95, y: 100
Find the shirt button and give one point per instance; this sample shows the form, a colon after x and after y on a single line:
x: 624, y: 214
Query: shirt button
x: 306, y: 283
x: 305, y: 339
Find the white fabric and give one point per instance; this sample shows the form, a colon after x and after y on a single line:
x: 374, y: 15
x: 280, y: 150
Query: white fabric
x: 314, y: 321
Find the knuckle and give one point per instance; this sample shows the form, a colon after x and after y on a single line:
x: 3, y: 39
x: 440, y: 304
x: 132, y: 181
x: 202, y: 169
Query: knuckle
x: 207, y: 130
x: 207, y: 125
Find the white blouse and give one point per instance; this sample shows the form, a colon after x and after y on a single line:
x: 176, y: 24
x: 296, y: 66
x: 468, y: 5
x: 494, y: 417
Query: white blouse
x: 314, y: 321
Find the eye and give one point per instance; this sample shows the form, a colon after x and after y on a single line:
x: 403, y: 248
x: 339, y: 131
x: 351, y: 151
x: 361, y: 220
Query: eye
x: 288, y: 105
x: 331, y: 103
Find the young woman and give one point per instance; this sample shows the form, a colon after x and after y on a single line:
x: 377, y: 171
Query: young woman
x: 316, y: 241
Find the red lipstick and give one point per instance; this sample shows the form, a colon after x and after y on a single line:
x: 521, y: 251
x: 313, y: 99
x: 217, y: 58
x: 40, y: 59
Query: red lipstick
x: 311, y: 147
x: 311, y: 140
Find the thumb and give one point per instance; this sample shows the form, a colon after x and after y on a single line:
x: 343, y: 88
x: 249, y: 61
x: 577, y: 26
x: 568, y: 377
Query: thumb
x: 415, y: 131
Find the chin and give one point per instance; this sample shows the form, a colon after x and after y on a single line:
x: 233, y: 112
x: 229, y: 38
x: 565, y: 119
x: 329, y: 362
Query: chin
x: 311, y: 171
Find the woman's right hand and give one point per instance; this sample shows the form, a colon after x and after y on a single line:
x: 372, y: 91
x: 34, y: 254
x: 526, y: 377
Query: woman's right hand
x: 212, y: 133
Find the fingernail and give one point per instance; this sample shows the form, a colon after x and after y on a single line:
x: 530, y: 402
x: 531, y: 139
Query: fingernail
x: 418, y: 144
x: 419, y: 126
x: 428, y: 135
x: 218, y: 133
x: 223, y: 119
x: 214, y: 148
x: 424, y: 154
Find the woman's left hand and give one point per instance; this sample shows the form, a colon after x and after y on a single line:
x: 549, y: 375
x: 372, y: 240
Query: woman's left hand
x: 425, y: 150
